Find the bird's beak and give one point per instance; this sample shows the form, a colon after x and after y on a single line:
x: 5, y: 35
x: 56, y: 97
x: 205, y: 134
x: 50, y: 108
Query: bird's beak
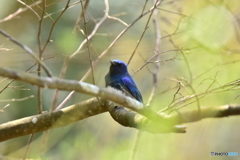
x: 112, y: 62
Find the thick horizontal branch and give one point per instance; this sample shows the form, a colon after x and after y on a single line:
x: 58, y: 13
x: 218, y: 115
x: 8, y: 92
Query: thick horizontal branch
x: 132, y: 119
x: 126, y: 118
x: 45, y: 121
x: 205, y: 112
x: 78, y: 112
x: 70, y: 85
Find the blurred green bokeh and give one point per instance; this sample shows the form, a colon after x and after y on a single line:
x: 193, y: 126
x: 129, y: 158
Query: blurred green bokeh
x: 206, y: 31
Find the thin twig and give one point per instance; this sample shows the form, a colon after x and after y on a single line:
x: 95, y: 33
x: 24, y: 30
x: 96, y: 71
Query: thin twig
x: 180, y: 14
x: 79, y: 48
x: 150, y: 60
x: 13, y: 79
x: 214, y: 81
x: 20, y: 10
x: 2, y: 110
x: 4, y: 80
x: 135, y: 146
x: 28, y: 146
x: 155, y: 73
x: 117, y: 19
x: 194, y: 92
x: 227, y: 87
x: 61, y: 75
x: 28, y: 50
x: 185, y: 59
x: 144, y: 6
x: 30, y: 8
x: 53, y: 25
x: 94, y: 30
x: 88, y: 43
x: 104, y: 52
x: 48, y: 15
x: 80, y: 17
x: 7, y: 85
x: 39, y: 89
x: 157, y: 57
x: 157, y: 3
x: 174, y: 98
x: 17, y: 99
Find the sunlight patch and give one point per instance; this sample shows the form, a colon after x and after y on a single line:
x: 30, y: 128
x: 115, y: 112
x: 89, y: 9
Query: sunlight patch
x: 212, y: 26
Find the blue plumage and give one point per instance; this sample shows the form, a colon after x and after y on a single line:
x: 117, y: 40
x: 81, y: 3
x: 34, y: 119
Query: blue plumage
x: 119, y: 78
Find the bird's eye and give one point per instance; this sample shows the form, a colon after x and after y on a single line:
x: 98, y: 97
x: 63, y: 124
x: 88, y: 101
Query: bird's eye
x: 121, y: 65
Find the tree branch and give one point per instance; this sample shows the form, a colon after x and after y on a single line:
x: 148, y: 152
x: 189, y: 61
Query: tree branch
x: 29, y: 51
x: 152, y: 122
x: 135, y: 120
x: 205, y: 112
x: 45, y: 121
x: 70, y: 85
x: 91, y: 107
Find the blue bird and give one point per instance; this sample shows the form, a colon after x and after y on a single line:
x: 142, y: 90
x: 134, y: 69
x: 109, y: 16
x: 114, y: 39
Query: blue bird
x: 119, y: 78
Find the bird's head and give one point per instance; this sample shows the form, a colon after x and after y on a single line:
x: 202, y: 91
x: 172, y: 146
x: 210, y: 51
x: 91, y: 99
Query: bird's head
x: 118, y: 67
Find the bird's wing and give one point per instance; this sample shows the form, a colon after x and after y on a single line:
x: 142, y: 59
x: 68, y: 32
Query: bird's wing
x: 130, y: 87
